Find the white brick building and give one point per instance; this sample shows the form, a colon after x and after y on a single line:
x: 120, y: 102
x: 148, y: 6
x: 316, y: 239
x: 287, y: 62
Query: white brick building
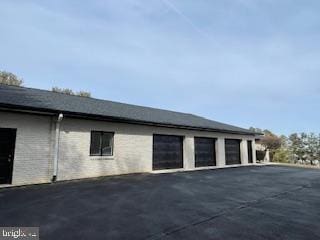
x: 93, y: 138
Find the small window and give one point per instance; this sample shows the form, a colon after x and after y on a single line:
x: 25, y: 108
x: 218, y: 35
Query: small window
x: 101, y: 143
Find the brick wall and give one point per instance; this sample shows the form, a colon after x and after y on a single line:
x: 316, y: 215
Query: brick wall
x: 33, y: 151
x: 132, y: 148
x: 33, y: 161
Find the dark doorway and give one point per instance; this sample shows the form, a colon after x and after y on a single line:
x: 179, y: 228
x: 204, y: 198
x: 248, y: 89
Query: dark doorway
x: 232, y: 147
x: 205, y: 154
x: 7, y: 145
x: 167, y: 152
x: 250, y: 160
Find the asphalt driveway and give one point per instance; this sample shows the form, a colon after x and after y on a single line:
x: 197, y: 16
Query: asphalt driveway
x: 267, y: 202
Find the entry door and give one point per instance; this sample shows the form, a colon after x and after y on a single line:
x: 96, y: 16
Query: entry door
x: 7, y: 144
x: 232, y: 148
x: 167, y: 152
x: 205, y: 154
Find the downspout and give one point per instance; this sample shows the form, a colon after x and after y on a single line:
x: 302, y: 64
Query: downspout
x: 56, y: 148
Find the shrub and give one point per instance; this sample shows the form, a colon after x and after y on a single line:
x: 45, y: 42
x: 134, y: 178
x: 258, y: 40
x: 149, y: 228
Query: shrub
x: 281, y: 155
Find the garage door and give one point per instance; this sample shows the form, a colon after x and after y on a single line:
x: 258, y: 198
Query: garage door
x: 205, y: 154
x: 250, y: 159
x: 167, y: 152
x: 232, y: 147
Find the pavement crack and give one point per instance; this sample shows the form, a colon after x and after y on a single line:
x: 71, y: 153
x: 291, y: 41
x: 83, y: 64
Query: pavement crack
x: 224, y: 213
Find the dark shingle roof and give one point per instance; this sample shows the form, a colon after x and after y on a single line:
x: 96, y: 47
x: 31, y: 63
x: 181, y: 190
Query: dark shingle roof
x: 35, y: 99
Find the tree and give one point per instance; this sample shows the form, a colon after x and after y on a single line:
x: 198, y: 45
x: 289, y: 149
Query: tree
x: 271, y: 141
x: 296, y: 145
x: 281, y: 155
x: 312, y: 146
x: 284, y: 141
x: 10, y: 79
x: 305, y: 146
x: 318, y: 147
x: 84, y: 94
x: 62, y: 90
x: 257, y: 130
x: 71, y: 92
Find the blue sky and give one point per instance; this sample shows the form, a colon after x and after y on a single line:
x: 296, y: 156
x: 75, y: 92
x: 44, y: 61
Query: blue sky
x: 243, y: 62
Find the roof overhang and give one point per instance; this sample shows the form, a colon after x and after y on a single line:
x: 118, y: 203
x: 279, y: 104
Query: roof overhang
x: 52, y: 112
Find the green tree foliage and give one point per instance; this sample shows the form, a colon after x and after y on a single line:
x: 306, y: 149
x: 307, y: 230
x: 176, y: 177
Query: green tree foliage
x: 71, y: 92
x: 284, y: 141
x: 10, y: 79
x: 296, y: 145
x: 63, y: 90
x: 305, y: 146
x: 281, y: 155
x: 84, y: 94
x: 257, y: 130
x: 313, y: 146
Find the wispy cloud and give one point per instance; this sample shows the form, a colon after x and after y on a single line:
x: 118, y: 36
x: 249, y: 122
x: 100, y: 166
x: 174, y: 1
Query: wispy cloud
x: 171, y: 6
x: 260, y: 68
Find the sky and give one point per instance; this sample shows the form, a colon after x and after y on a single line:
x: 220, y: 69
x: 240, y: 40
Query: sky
x: 243, y: 62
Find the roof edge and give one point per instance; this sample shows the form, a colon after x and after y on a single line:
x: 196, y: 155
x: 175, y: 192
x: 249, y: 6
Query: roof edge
x: 45, y: 111
x: 94, y: 98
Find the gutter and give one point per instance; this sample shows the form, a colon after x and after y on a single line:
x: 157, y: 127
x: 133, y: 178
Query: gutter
x: 56, y: 148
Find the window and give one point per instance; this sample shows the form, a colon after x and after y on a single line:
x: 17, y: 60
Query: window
x: 101, y: 143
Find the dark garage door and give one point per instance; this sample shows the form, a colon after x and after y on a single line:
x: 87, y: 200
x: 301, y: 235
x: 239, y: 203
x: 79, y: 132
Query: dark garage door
x: 250, y: 160
x: 232, y: 147
x: 167, y: 152
x: 205, y: 154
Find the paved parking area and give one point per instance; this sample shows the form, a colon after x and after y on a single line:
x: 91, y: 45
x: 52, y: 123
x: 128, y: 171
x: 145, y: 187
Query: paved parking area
x: 263, y: 202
